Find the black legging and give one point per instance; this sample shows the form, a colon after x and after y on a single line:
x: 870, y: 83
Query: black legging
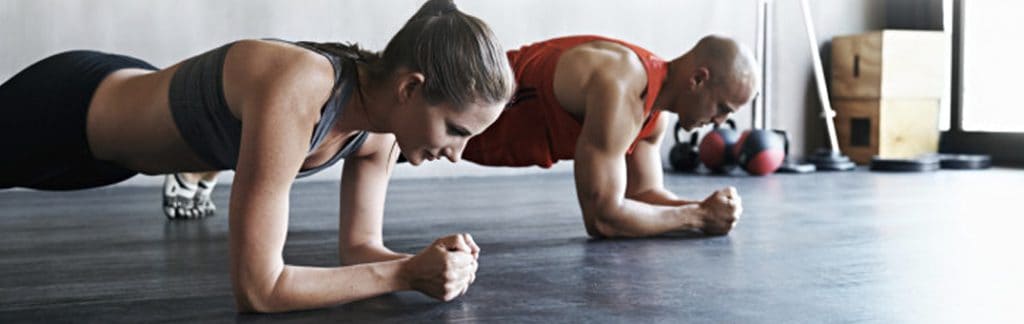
x: 42, y: 123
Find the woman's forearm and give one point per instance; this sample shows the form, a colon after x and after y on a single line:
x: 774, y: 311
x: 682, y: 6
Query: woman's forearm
x: 368, y: 253
x: 299, y: 287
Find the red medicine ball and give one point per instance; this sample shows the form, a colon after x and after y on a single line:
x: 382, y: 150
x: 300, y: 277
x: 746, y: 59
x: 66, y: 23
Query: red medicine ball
x: 759, y: 151
x: 715, y: 150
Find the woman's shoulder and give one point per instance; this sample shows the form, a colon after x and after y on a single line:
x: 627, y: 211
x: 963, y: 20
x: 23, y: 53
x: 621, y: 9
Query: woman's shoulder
x: 378, y: 144
x: 270, y: 56
x: 262, y: 67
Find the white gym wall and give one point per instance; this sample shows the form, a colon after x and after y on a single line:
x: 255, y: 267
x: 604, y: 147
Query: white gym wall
x: 164, y: 32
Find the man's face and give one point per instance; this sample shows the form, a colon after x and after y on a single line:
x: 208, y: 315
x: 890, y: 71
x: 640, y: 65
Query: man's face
x: 701, y: 103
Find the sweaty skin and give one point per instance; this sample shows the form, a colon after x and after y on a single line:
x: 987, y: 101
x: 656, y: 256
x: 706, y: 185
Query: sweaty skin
x: 277, y: 91
x: 601, y: 84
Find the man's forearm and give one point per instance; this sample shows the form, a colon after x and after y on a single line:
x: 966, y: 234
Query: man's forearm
x: 661, y: 197
x: 633, y: 218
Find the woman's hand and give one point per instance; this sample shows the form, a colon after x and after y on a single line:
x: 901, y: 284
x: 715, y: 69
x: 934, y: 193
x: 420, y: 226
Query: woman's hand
x: 445, y: 269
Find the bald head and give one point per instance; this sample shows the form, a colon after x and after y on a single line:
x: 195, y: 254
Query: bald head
x: 710, y: 82
x: 730, y: 64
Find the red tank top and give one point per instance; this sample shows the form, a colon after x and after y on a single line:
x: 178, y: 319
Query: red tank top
x: 534, y: 129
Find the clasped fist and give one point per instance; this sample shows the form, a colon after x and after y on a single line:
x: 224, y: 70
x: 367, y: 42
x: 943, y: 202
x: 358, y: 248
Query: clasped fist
x: 721, y: 211
x: 444, y: 269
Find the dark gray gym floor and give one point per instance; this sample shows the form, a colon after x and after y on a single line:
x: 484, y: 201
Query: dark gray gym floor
x: 827, y: 247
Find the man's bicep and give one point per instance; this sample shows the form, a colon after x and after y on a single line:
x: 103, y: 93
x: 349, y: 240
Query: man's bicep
x: 600, y: 175
x: 600, y: 150
x: 644, y: 168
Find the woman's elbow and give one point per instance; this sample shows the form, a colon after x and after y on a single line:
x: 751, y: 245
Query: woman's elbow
x: 253, y: 295
x: 254, y: 301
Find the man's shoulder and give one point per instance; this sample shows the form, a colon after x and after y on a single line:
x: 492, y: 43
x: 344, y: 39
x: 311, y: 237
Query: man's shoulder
x: 602, y: 66
x: 606, y: 58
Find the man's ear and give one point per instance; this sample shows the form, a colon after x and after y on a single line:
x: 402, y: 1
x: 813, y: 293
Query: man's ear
x: 699, y: 77
x: 408, y: 84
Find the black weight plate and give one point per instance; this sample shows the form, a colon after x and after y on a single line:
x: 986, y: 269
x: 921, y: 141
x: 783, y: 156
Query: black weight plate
x: 965, y: 161
x: 921, y: 164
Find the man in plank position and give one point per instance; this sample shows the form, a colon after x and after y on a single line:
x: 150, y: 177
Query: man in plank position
x: 598, y: 101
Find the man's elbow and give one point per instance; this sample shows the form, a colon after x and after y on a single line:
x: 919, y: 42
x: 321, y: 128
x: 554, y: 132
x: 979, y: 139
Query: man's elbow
x: 602, y: 224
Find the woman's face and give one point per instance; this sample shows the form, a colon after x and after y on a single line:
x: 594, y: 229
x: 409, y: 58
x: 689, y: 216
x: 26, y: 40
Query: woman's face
x: 427, y: 132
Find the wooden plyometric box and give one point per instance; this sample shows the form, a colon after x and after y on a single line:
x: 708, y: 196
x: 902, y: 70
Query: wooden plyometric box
x: 889, y: 128
x: 890, y: 64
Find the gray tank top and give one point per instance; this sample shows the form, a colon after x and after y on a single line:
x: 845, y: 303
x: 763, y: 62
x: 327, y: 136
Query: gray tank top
x: 202, y: 116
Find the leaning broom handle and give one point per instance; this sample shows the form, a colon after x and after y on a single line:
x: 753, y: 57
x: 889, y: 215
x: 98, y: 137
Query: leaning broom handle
x: 819, y: 76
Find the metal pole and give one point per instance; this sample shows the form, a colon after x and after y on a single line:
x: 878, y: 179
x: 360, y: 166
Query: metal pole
x: 766, y: 64
x: 819, y: 77
x: 758, y: 108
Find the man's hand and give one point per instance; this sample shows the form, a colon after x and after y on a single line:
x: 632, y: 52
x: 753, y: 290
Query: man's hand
x: 445, y: 269
x: 721, y: 211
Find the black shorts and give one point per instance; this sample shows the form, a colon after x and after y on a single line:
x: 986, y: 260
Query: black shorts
x: 42, y: 123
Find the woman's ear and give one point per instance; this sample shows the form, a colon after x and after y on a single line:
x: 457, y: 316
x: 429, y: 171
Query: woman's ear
x: 408, y: 85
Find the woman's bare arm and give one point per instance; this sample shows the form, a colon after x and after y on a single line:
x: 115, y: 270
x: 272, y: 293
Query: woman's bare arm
x: 278, y: 90
x: 364, y: 185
